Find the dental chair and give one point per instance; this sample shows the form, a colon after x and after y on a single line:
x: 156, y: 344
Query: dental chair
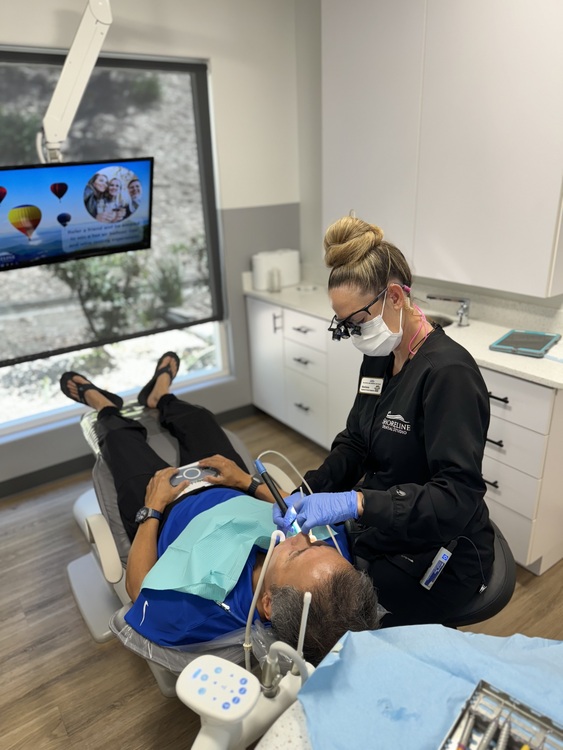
x: 97, y: 579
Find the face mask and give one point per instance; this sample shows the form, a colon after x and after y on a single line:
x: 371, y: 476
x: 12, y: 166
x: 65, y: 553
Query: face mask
x: 376, y: 340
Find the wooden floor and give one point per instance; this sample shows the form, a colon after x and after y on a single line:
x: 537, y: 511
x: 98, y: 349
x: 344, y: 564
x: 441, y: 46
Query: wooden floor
x: 61, y: 689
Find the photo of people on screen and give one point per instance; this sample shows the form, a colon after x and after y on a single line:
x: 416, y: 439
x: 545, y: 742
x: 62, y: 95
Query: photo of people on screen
x: 112, y: 195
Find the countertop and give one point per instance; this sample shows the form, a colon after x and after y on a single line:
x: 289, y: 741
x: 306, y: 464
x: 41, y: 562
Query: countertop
x: 476, y: 337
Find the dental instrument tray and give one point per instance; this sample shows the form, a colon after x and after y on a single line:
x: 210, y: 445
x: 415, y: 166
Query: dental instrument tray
x: 490, y: 714
x: 527, y: 343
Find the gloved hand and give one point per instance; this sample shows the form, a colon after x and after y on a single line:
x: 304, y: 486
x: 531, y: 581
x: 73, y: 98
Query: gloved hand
x: 318, y: 509
x: 283, y: 522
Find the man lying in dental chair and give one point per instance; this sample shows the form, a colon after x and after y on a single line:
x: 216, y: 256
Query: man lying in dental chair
x: 196, y: 556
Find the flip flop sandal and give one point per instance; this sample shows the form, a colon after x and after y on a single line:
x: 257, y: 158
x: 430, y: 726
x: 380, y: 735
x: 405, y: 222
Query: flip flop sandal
x: 82, y: 388
x: 145, y: 392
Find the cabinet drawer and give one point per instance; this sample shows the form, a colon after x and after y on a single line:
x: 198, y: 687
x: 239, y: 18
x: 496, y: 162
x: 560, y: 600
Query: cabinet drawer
x: 306, y: 409
x: 306, y: 329
x: 516, y: 446
x: 517, y: 530
x: 516, y: 490
x: 305, y: 360
x: 520, y: 401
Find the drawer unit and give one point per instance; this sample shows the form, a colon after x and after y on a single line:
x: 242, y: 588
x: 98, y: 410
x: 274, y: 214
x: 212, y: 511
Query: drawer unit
x: 305, y: 360
x: 305, y: 406
x: 517, y: 529
x: 516, y: 446
x: 511, y: 488
x: 306, y: 330
x: 519, y: 401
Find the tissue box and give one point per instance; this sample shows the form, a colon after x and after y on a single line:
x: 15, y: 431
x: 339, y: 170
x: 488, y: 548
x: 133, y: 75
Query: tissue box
x: 285, y: 261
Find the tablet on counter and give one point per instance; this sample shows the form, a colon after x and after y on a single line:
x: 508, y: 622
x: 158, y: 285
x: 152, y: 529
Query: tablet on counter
x: 527, y: 343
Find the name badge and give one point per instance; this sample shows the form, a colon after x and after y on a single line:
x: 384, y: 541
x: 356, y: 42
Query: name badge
x: 371, y: 386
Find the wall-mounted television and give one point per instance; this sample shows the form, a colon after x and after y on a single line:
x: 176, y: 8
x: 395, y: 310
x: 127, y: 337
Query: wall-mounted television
x: 55, y: 212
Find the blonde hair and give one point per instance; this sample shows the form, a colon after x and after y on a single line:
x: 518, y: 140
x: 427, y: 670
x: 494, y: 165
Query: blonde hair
x: 359, y: 257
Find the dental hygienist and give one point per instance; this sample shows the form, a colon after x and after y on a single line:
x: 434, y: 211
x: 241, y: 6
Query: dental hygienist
x: 414, y: 439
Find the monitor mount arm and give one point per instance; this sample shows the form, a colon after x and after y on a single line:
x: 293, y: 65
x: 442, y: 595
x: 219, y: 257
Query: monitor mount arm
x: 73, y: 80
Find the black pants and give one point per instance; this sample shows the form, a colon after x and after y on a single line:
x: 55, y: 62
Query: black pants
x: 409, y: 603
x: 131, y: 460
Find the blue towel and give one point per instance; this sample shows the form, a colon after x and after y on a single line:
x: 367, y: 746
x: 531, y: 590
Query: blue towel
x: 404, y: 687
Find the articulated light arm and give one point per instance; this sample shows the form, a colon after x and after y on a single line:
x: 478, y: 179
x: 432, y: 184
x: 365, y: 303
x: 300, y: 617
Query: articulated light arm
x: 74, y: 78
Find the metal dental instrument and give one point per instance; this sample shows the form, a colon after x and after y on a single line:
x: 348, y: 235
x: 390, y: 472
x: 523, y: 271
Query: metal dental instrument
x: 271, y: 485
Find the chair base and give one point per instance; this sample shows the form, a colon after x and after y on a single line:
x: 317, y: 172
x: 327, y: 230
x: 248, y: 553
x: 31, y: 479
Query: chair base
x: 94, y: 596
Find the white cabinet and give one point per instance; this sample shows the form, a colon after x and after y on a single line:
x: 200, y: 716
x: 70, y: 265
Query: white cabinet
x: 491, y: 145
x: 450, y: 136
x: 523, y: 468
x: 299, y: 375
x: 265, y: 330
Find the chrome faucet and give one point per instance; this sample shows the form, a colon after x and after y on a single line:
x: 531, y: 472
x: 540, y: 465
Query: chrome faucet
x: 463, y: 310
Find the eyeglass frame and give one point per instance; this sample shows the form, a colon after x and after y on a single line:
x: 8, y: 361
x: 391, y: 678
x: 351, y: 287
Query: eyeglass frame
x: 343, y: 329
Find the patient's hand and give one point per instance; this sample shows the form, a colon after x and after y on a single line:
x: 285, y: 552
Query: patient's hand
x: 229, y: 474
x: 160, y: 492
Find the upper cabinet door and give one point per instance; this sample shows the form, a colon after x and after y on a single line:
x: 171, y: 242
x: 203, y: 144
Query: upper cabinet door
x: 491, y: 145
x: 371, y: 81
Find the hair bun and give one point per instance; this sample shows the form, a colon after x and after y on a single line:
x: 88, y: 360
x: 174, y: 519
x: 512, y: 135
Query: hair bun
x: 378, y: 232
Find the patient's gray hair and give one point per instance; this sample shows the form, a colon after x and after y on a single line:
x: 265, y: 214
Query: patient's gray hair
x: 344, y: 601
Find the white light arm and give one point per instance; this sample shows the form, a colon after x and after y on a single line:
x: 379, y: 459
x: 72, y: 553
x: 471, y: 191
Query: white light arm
x: 74, y: 78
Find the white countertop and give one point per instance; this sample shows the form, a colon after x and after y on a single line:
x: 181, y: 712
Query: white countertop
x: 476, y: 337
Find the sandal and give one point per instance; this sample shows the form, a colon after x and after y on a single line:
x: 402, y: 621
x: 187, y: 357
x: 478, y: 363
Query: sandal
x: 146, y: 391
x: 82, y: 388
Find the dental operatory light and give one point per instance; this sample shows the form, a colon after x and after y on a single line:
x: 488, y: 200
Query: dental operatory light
x: 73, y: 80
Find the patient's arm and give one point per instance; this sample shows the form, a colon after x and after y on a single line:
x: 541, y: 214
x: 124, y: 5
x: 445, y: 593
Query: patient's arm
x: 231, y: 475
x: 143, y: 553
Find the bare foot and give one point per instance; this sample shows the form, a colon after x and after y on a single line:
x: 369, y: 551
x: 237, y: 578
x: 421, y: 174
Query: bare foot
x: 92, y: 396
x: 162, y: 385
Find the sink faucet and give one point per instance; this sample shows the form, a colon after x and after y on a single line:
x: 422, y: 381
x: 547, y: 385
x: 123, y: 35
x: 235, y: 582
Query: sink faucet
x: 463, y: 310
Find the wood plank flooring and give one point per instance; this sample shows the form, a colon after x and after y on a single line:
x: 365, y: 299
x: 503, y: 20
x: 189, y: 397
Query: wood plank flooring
x: 60, y: 689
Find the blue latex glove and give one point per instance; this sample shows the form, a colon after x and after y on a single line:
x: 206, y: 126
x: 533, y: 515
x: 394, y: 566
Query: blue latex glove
x: 284, y: 522
x: 325, y: 508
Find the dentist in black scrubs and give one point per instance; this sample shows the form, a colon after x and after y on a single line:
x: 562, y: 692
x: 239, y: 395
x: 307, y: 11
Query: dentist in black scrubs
x: 408, y: 464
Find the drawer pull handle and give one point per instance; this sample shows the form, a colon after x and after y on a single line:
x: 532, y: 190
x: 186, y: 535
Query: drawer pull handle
x: 500, y: 443
x: 302, y: 407
x: 504, y: 399
x: 274, y: 319
x: 302, y: 360
x: 492, y: 484
x: 302, y: 329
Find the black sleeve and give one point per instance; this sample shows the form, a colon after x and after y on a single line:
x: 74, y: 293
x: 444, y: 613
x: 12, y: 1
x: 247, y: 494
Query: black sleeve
x: 455, y: 406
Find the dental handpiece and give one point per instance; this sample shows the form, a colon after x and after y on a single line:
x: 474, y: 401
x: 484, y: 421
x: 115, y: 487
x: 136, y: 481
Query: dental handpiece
x: 271, y: 485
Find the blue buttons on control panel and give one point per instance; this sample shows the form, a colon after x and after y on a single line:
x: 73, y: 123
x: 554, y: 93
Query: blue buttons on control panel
x: 243, y: 680
x: 236, y: 699
x: 196, y: 673
x: 204, y: 677
x: 242, y: 691
x: 218, y: 670
x: 202, y: 691
x: 226, y: 705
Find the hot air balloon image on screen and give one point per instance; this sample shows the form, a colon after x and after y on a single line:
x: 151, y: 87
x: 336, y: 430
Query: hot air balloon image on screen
x: 3, y: 193
x: 25, y: 219
x: 63, y: 219
x: 59, y: 189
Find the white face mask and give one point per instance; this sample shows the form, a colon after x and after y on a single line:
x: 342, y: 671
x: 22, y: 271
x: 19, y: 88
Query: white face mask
x: 376, y: 340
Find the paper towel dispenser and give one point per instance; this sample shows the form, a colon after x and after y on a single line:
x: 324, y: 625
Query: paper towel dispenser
x: 272, y: 269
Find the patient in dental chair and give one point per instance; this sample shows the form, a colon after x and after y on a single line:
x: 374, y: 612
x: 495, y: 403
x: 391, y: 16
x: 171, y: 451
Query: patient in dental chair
x: 196, y: 556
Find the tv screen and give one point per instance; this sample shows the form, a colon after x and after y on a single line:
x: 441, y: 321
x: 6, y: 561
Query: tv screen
x: 55, y: 212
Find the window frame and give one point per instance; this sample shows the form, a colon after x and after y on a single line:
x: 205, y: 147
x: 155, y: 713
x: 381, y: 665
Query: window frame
x: 199, y: 71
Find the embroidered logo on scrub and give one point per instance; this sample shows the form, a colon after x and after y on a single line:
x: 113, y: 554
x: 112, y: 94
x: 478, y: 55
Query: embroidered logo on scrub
x: 396, y: 423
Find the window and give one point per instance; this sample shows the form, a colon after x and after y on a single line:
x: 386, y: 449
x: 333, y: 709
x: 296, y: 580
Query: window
x: 131, y: 108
